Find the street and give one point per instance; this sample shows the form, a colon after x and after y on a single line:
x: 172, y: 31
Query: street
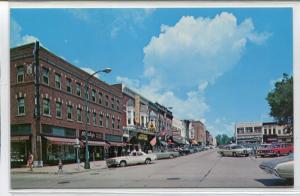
x: 202, y: 169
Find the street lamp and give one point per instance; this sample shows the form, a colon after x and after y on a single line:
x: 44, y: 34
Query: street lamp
x: 87, y: 162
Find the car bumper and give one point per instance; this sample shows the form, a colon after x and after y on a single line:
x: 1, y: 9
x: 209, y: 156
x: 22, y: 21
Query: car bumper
x: 269, y: 170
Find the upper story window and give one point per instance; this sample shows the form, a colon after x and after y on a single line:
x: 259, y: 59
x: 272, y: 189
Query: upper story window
x: 265, y: 131
x: 69, y: 112
x: 93, y: 95
x: 106, y: 100
x: 113, y: 123
x: 57, y: 81
x: 119, y: 122
x: 58, y: 110
x: 88, y: 117
x: 21, y: 106
x: 69, y: 85
x: 45, y: 75
x: 107, y: 122
x: 101, y: 120
x: 279, y: 131
x: 87, y: 93
x: 100, y: 98
x: 46, y: 107
x: 274, y: 131
x: 79, y: 115
x: 78, y: 89
x: 94, y: 118
x: 20, y: 73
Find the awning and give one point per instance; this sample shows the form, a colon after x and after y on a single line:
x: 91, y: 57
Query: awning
x: 117, y: 144
x: 178, y: 141
x: 194, y: 142
x: 59, y: 140
x: 97, y: 143
x: 19, y: 138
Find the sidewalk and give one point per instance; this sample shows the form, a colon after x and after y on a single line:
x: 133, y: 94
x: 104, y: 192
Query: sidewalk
x: 67, y: 169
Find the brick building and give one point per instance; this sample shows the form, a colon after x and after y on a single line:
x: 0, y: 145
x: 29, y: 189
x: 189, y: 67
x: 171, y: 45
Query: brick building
x: 200, y: 135
x: 59, y: 87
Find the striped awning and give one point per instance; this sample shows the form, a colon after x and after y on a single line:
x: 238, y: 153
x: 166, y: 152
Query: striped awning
x: 60, y: 140
x: 97, y: 143
x: 117, y: 144
x: 19, y: 138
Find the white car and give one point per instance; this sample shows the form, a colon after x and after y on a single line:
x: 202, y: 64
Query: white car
x: 132, y: 159
x: 234, y: 150
x: 283, y: 168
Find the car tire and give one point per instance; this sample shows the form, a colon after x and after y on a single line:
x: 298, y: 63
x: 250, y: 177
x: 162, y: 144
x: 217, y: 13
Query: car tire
x: 171, y: 156
x: 222, y: 154
x: 234, y: 154
x: 123, y: 164
x: 147, y: 161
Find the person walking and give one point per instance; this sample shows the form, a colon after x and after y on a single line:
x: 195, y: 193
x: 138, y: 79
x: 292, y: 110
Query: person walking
x: 30, y: 162
x: 60, y: 166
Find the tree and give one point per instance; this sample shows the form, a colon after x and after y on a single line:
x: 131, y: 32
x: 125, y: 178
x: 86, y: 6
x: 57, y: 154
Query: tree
x: 280, y: 100
x: 223, y: 139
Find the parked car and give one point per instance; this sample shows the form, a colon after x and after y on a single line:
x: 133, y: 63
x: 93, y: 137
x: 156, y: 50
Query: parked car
x: 283, y: 167
x: 274, y: 149
x: 185, y: 151
x: 234, y: 150
x: 132, y: 159
x: 166, y: 154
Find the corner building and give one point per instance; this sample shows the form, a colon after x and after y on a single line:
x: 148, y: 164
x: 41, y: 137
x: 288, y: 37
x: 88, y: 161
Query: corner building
x: 60, y: 87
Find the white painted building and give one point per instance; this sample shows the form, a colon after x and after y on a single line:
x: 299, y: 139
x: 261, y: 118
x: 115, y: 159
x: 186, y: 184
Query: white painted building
x: 178, y: 128
x: 249, y: 132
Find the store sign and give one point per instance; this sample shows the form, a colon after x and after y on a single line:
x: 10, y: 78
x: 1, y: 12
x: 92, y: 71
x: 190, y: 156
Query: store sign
x: 137, y: 109
x: 151, y: 127
x: 143, y: 137
x: 92, y: 135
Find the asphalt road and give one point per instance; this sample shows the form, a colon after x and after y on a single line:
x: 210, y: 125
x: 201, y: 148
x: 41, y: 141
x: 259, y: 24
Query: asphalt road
x: 202, y: 169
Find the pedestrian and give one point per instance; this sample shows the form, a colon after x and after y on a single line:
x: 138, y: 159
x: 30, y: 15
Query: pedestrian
x: 60, y: 166
x: 30, y: 162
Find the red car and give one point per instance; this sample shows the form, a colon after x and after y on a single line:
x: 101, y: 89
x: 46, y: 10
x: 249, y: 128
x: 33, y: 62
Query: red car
x: 274, y: 149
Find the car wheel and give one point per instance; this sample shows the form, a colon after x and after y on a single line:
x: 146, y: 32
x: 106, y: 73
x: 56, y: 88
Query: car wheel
x: 171, y: 156
x: 278, y: 154
x: 246, y: 155
x: 222, y: 154
x: 147, y: 161
x: 123, y: 164
x: 234, y: 154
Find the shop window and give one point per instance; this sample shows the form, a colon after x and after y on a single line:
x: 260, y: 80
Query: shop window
x: 94, y: 118
x: 79, y: 115
x: 274, y: 131
x: 58, y: 110
x: 69, y: 85
x: 129, y: 117
x: 46, y: 107
x: 69, y: 112
x: 45, y: 72
x: 93, y: 95
x: 20, y: 129
x: 21, y: 106
x: 20, y: 73
x: 57, y: 81
x: 78, y: 89
x: 101, y: 120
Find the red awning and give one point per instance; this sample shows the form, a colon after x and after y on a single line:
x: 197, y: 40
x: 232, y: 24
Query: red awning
x: 19, y: 138
x: 97, y: 143
x: 116, y: 144
x: 59, y: 140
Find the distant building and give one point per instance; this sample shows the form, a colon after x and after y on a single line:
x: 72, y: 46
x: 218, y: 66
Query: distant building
x: 199, y: 129
x: 248, y: 133
x: 272, y: 132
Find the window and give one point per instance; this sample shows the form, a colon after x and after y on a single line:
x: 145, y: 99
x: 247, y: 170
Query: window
x: 265, y: 130
x: 106, y: 101
x: 100, y: 98
x: 142, y: 119
x: 274, y: 131
x: 57, y: 81
x: 21, y: 106
x: 20, y: 73
x: 45, y: 75
x: 58, y: 110
x: 46, y: 106
x: 101, y: 120
x: 87, y: 93
x: 69, y: 112
x: 79, y: 115
x: 69, y: 85
x: 118, y: 124
x: 107, y: 121
x: 113, y: 123
x: 129, y: 117
x: 88, y: 117
x: 279, y: 131
x: 270, y: 132
x: 112, y: 103
x: 93, y: 95
x: 78, y: 89
x: 94, y: 118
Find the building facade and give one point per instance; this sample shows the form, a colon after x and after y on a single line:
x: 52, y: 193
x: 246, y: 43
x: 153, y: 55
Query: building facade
x: 200, y: 135
x: 273, y: 132
x: 248, y: 133
x: 48, y: 113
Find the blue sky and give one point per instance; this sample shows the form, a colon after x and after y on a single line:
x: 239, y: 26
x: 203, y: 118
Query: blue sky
x: 216, y: 65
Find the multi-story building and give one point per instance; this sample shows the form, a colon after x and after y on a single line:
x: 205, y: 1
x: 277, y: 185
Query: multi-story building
x: 248, y: 132
x: 140, y: 119
x: 48, y: 113
x: 200, y: 135
x: 273, y: 132
x: 165, y: 117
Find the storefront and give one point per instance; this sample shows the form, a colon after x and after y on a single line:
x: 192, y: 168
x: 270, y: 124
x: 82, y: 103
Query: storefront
x: 116, y: 145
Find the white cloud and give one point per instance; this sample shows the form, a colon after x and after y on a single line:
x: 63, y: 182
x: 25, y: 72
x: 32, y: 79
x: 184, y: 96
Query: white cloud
x: 81, y: 14
x: 202, y: 86
x: 16, y: 38
x: 198, y: 49
x: 134, y: 84
x: 221, y: 126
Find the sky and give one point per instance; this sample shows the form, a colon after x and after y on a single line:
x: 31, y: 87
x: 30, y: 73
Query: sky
x: 209, y: 64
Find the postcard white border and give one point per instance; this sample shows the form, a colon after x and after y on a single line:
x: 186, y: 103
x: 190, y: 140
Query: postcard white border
x: 5, y: 110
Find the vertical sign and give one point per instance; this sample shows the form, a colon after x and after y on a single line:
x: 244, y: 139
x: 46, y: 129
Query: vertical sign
x: 137, y: 109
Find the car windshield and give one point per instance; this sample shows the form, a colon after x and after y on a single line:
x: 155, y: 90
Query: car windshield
x: 236, y: 147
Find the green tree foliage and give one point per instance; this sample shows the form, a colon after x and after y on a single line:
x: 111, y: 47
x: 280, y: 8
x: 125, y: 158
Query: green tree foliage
x: 280, y: 100
x: 223, y: 139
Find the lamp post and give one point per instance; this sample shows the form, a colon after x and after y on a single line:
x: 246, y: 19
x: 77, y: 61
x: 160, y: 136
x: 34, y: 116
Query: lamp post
x: 87, y: 162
